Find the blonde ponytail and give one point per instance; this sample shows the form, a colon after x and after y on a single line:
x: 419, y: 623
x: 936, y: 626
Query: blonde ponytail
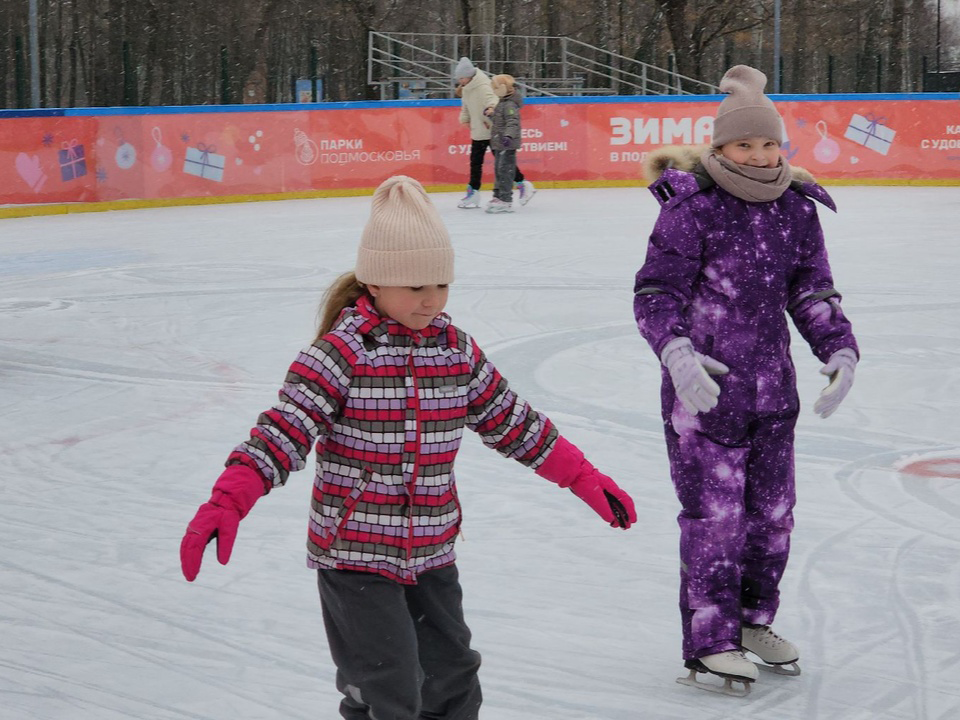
x: 342, y: 293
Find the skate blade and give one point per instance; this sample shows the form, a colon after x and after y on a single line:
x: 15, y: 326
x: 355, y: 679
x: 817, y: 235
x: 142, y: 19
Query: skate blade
x: 728, y: 688
x: 791, y: 669
x: 528, y: 198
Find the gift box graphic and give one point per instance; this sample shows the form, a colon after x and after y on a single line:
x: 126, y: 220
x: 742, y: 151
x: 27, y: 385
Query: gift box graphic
x: 870, y: 131
x: 73, y: 164
x: 203, y: 161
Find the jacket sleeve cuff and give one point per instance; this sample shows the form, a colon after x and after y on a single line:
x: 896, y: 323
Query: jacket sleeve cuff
x: 563, y: 464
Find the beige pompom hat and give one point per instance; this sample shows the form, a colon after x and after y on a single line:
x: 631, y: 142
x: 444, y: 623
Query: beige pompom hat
x: 746, y: 111
x: 404, y: 243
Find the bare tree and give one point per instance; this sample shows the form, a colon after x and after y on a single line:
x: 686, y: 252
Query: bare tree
x: 695, y: 25
x: 897, y: 50
x: 169, y: 52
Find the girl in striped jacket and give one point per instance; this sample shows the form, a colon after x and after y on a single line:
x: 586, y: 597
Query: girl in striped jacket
x: 384, y: 393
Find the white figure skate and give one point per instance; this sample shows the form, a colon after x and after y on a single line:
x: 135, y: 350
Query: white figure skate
x: 779, y: 656
x: 499, y: 206
x: 470, y: 200
x: 526, y: 191
x: 731, y: 665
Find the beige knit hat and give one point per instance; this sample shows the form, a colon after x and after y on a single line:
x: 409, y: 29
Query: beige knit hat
x: 404, y: 243
x: 746, y: 111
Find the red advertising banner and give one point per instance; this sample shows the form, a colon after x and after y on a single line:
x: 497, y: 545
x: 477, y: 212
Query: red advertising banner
x: 74, y: 156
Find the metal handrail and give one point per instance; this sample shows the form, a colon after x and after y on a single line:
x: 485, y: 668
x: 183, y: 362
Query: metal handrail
x: 642, y: 85
x: 421, y: 63
x: 712, y: 88
x: 417, y: 48
x: 382, y: 57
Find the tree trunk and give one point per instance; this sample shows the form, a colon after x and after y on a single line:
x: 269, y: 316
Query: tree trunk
x: 466, y: 24
x: 675, y: 16
x: 801, y: 50
x: 897, y: 50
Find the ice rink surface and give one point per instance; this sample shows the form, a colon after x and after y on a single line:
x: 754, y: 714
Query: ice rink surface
x: 137, y: 349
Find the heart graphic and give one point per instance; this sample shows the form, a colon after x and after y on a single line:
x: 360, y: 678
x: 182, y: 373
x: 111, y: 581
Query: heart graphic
x: 564, y: 123
x: 28, y: 167
x: 854, y: 159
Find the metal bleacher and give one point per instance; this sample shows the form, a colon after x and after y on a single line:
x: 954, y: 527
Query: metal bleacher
x: 420, y: 65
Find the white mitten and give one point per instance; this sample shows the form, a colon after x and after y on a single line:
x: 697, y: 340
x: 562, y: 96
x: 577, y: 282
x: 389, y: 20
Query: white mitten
x: 840, y: 368
x: 690, y: 372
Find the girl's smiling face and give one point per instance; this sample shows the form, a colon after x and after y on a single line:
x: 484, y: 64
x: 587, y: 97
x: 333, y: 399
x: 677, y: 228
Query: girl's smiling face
x: 753, y: 151
x: 415, y: 307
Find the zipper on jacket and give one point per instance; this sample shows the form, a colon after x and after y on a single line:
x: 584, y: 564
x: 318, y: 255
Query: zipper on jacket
x: 456, y: 503
x: 412, y: 486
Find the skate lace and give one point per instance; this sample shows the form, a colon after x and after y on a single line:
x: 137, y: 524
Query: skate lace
x: 768, y: 637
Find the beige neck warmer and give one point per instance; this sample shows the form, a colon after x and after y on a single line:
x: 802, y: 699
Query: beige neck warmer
x: 748, y: 183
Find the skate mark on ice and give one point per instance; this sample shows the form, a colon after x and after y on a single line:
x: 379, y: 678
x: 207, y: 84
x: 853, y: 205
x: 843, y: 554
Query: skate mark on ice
x: 885, y: 310
x: 818, y: 618
x: 545, y: 345
x: 33, y: 363
x: 922, y: 489
x: 104, y: 600
x: 57, y: 691
x: 307, y: 291
x: 909, y: 687
x: 497, y: 284
x: 206, y: 274
x: 906, y: 635
x: 848, y: 480
x: 950, y: 713
x: 71, y: 262
x: 911, y: 631
x: 15, y: 305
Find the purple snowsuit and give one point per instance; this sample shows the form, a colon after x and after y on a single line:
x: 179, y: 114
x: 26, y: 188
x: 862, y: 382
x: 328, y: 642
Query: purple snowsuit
x: 723, y: 272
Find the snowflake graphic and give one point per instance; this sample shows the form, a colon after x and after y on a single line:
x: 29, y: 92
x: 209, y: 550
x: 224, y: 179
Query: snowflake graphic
x: 126, y: 157
x: 789, y: 150
x: 801, y: 123
x: 185, y: 137
x: 47, y: 139
x: 101, y: 174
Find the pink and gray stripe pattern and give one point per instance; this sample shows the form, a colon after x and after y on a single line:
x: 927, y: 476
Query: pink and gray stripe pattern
x: 386, y: 407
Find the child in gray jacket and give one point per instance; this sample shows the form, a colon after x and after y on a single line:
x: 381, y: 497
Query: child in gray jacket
x: 505, y: 141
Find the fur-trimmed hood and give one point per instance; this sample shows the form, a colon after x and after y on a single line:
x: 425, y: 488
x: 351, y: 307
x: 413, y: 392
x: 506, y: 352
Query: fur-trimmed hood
x: 687, y: 157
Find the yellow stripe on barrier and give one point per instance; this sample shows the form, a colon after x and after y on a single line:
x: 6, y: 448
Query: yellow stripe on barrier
x: 18, y: 211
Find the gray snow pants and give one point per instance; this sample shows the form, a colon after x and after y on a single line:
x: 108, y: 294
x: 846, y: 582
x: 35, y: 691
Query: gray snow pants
x: 402, y: 651
x: 505, y: 167
x: 478, y: 150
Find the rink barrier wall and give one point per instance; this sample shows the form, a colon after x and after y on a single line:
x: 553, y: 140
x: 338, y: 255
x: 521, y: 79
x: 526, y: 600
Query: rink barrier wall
x: 93, y: 159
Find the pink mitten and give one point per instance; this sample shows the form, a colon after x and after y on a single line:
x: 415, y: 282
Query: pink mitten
x: 690, y: 372
x: 839, y: 368
x: 567, y: 467
x: 236, y: 491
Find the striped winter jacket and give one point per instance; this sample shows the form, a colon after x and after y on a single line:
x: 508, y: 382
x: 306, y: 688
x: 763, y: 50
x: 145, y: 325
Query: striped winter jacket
x: 386, y: 406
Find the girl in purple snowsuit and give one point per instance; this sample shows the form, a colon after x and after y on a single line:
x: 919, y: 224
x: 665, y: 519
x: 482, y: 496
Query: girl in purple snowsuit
x: 737, y: 245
